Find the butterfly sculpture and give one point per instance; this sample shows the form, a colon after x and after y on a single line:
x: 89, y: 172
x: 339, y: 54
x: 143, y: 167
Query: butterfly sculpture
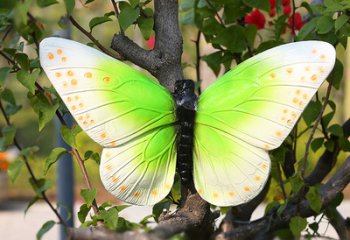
x: 246, y: 112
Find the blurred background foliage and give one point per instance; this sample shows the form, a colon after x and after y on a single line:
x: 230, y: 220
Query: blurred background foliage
x: 218, y: 34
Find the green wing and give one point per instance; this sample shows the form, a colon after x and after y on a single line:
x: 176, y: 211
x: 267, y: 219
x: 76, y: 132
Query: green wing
x: 250, y: 110
x: 119, y: 108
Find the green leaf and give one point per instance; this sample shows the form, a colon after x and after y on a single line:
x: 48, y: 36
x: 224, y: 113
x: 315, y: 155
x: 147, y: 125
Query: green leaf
x: 69, y: 135
x: 53, y: 157
x: 340, y: 22
x: 146, y: 26
x: 97, y: 21
x: 43, y: 109
x: 307, y: 29
x: 40, y: 185
x: 250, y: 34
x: 134, y: 3
x: 23, y: 60
x: 70, y: 4
x: 214, y: 61
x: 88, y: 195
x: 336, y: 130
x: 28, y: 79
x: 232, y: 38
x: 128, y: 16
x: 44, y: 229
x: 83, y: 212
x: 297, y: 225
x: 31, y: 203
x: 263, y: 5
x: 324, y: 24
x: 3, y: 75
x: 311, y: 112
x: 338, y: 72
x: 159, y: 207
x: 296, y: 182
x: 110, y: 218
x: 317, y: 144
x: 8, y: 132
x: 7, y: 95
x: 314, y: 198
x: 333, y: 5
x: 45, y: 3
x: 329, y: 145
x: 344, y: 144
x: 14, y: 169
x: 144, y: 221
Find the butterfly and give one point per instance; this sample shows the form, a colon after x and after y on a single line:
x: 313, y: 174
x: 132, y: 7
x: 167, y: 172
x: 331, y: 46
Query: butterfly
x: 245, y: 113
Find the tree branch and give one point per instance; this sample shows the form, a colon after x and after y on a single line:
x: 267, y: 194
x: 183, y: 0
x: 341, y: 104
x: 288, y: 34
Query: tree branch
x: 271, y: 222
x: 164, y: 61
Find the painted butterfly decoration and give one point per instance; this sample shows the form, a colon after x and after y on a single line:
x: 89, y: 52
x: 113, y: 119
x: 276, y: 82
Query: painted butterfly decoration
x: 249, y: 110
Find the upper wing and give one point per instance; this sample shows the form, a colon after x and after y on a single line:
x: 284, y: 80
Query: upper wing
x: 253, y: 108
x: 111, y: 101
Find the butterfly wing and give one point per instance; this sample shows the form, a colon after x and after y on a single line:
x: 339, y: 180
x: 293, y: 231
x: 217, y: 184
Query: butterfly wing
x: 250, y: 110
x: 120, y: 109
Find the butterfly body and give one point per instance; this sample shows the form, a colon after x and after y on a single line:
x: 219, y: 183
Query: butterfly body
x: 186, y: 105
x: 220, y: 142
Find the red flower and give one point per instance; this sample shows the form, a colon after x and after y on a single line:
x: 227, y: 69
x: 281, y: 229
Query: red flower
x: 150, y: 42
x: 256, y: 18
x: 272, y: 4
x: 287, y: 10
x: 298, y: 22
x: 272, y: 13
x: 285, y: 2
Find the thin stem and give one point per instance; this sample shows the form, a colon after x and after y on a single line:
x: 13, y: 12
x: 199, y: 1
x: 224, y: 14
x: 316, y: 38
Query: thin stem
x: 31, y: 173
x: 86, y: 177
x: 9, y: 60
x: 293, y: 20
x: 318, y: 120
x: 280, y: 180
x: 93, y: 39
x: 216, y: 13
x: 322, y: 123
x: 198, y: 62
x: 116, y: 10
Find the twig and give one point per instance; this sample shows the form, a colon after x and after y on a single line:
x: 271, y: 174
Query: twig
x: 93, y: 39
x: 303, y: 169
x: 293, y: 20
x: 280, y: 180
x: 86, y: 177
x: 116, y: 10
x: 31, y: 173
x: 9, y: 60
x: 216, y: 13
x: 198, y: 61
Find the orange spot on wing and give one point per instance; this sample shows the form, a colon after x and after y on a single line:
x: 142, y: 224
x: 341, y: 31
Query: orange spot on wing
x: 323, y: 57
x: 92, y: 121
x: 294, y: 114
x: 321, y: 69
x: 257, y: 178
x: 50, y: 56
x: 307, y: 68
x: 314, y: 77
x: 85, y: 123
x: 65, y: 84
x: 63, y: 59
x: 279, y: 134
x: 264, y: 166
x: 314, y: 51
x: 108, y: 167
x: 74, y: 107
x: 81, y: 105
x: 103, y: 135
x: 57, y: 74
x: 80, y: 118
x: 69, y: 99
x: 295, y: 100
x: 123, y: 188
x: 114, y: 143
x: 154, y: 192
x: 137, y: 194
x: 114, y: 179
x: 200, y: 191
x: 74, y: 82
x: 289, y: 70
x: 273, y: 75
x: 297, y: 92
x: 305, y: 96
x: 247, y: 189
x: 289, y: 121
x: 167, y: 186
x: 70, y: 73
x: 231, y: 194
x: 59, y: 51
x: 215, y: 195
x: 106, y: 79
x: 285, y: 110
x: 88, y: 75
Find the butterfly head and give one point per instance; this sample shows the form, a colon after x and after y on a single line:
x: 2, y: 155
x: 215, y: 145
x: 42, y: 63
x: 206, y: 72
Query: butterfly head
x: 184, y: 94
